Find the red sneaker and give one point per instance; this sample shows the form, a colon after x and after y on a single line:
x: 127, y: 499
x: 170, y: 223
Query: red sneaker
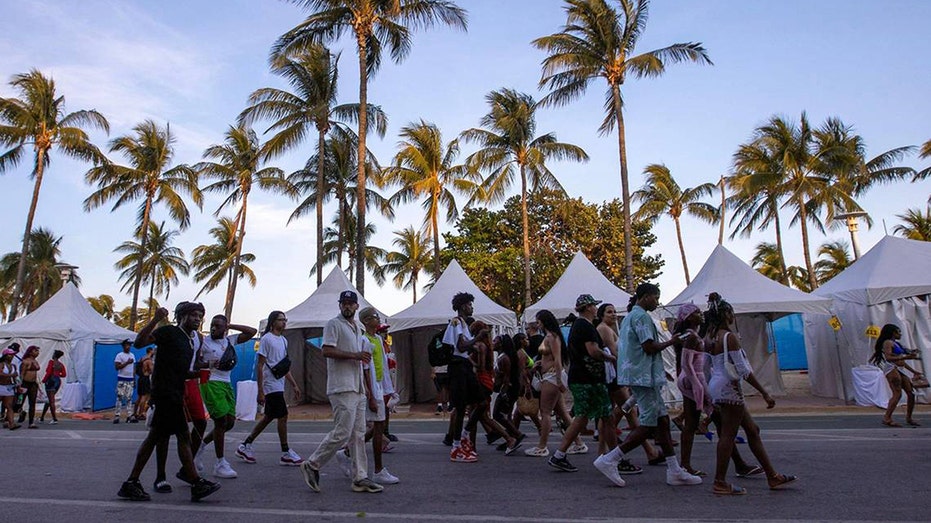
x: 460, y: 455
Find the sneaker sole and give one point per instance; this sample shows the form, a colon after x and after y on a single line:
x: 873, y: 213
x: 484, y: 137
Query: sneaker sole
x: 307, y: 474
x: 366, y: 490
x: 245, y: 458
x: 201, y: 495
x: 563, y: 469
x: 290, y: 463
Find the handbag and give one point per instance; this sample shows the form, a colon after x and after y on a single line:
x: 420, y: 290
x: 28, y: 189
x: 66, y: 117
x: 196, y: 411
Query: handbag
x: 729, y: 366
x: 919, y: 381
x: 281, y: 368
x: 529, y: 407
x: 228, y: 360
x: 536, y: 381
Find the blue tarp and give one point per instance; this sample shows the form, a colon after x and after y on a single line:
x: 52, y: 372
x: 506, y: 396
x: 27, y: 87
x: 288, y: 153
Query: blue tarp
x: 789, y: 338
x: 104, y: 393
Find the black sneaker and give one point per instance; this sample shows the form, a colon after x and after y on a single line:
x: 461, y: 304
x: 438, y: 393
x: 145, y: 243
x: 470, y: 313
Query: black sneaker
x: 391, y: 437
x: 132, y: 490
x: 561, y: 464
x: 202, y: 489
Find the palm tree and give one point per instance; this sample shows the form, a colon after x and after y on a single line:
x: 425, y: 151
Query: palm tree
x: 924, y: 152
x: 43, y: 276
x: 338, y: 183
x: 212, y: 263
x: 768, y: 261
x: 238, y: 167
x: 508, y: 140
x: 662, y: 195
x: 332, y: 248
x: 834, y: 257
x: 313, y: 76
x: 916, y: 226
x: 599, y: 41
x: 159, y: 261
x: 104, y: 305
x: 375, y: 24
x: 37, y: 120
x: 412, y: 257
x: 424, y: 168
x: 122, y: 316
x: 149, y: 176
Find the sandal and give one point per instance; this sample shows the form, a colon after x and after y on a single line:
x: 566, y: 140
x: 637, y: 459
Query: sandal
x: 162, y: 487
x: 912, y: 423
x: 628, y: 468
x: 728, y: 490
x: 890, y: 423
x: 780, y: 480
x: 694, y: 472
x: 753, y: 471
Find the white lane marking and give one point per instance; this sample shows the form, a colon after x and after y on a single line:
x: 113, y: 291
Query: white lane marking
x: 73, y: 434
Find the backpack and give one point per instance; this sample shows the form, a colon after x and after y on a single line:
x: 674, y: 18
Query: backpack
x: 439, y: 353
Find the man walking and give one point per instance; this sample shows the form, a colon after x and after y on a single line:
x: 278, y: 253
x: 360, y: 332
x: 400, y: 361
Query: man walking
x: 172, y: 366
x: 125, y: 364
x: 381, y: 388
x: 641, y: 368
x: 464, y: 389
x: 349, y: 397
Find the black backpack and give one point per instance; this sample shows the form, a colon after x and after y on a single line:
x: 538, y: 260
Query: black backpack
x: 439, y: 353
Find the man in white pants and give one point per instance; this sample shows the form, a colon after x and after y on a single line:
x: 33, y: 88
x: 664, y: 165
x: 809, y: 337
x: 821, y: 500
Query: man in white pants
x: 349, y: 397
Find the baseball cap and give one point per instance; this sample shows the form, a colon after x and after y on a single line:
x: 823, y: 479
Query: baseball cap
x: 349, y: 296
x: 8, y: 351
x: 585, y: 300
x: 127, y: 341
x: 368, y: 312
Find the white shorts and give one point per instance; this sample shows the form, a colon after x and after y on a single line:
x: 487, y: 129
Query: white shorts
x: 378, y: 415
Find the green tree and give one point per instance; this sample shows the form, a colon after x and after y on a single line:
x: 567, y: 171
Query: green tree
x: 599, y: 40
x: 123, y: 316
x: 661, y: 195
x: 333, y: 248
x: 43, y: 276
x: 214, y: 262
x: 768, y: 261
x: 834, y: 257
x: 376, y: 25
x: 509, y: 147
x: 916, y: 225
x: 237, y: 169
x: 406, y: 263
x: 104, y: 305
x: 313, y: 75
x: 148, y: 176
x: 924, y: 152
x: 37, y: 120
x: 159, y: 261
x: 425, y: 167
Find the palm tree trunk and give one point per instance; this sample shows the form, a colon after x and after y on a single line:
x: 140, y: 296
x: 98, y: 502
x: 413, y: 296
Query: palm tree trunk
x: 721, y: 225
x: 782, y: 259
x: 434, y: 223
x: 414, y: 284
x: 21, y: 268
x: 340, y: 234
x: 803, y: 218
x: 685, y: 263
x: 625, y: 191
x: 151, y: 295
x: 360, y: 177
x: 237, y: 260
x: 134, y: 311
x: 526, y: 235
x: 321, y: 165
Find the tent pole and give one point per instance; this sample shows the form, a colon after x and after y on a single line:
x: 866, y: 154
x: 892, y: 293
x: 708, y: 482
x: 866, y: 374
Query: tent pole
x: 840, y: 367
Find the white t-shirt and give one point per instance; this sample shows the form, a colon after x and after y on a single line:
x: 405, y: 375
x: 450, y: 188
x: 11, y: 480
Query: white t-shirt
x: 343, y: 375
x: 274, y: 348
x: 212, y: 350
x: 127, y: 371
x: 451, y: 336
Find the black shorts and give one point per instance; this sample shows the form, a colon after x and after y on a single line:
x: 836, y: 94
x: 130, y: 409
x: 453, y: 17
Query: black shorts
x: 275, y: 406
x: 464, y: 388
x: 168, y: 419
x: 144, y: 385
x: 441, y: 380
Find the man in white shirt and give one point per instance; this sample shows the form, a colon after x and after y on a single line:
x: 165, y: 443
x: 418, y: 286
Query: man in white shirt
x: 217, y: 392
x: 381, y: 388
x: 273, y: 349
x: 464, y: 388
x: 349, y: 396
x: 125, y: 364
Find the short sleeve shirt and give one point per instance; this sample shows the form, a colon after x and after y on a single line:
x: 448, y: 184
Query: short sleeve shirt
x: 212, y: 350
x: 634, y: 366
x: 343, y: 375
x: 172, y: 363
x: 274, y: 348
x: 126, y: 373
x: 455, y: 329
x: 583, y: 369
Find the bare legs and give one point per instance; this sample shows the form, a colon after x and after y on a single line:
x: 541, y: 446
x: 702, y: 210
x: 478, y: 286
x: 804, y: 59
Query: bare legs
x: 895, y: 383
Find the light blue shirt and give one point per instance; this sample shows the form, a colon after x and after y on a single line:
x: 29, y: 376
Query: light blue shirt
x: 634, y: 366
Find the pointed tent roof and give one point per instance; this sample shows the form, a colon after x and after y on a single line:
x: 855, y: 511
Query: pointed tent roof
x: 435, y: 307
x: 580, y: 277
x: 745, y: 289
x: 66, y: 316
x: 321, y: 305
x: 894, y: 268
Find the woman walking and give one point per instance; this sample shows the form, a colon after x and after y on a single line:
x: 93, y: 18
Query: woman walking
x: 890, y: 356
x: 54, y: 372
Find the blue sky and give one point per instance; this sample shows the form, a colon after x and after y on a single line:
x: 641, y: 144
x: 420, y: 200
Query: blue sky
x: 194, y: 63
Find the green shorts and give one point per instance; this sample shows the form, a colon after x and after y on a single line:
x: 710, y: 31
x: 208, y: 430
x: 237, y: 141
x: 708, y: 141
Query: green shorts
x: 651, y: 405
x: 218, y: 396
x: 590, y: 400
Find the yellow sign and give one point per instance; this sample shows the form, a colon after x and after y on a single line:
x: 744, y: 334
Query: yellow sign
x: 834, y: 322
x: 872, y: 331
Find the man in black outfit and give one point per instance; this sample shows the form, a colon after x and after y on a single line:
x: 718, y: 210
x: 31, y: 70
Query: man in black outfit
x: 172, y: 367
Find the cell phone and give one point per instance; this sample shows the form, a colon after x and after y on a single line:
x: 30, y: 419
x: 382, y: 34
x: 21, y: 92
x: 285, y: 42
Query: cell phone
x: 682, y: 336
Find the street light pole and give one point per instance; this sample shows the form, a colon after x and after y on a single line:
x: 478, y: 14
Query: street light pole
x: 853, y: 226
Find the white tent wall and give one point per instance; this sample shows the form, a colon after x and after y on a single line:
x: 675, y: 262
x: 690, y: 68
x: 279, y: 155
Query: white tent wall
x: 414, y: 371
x: 754, y: 338
x: 308, y: 366
x: 830, y: 362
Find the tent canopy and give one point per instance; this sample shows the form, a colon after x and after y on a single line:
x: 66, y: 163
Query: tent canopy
x: 746, y: 290
x: 580, y: 277
x: 322, y: 304
x: 894, y: 268
x: 434, y: 308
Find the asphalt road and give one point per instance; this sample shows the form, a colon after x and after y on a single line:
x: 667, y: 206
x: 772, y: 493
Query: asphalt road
x: 851, y: 469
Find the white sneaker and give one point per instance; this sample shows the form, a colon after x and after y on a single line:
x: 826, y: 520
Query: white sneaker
x: 577, y: 449
x: 290, y: 459
x: 609, y: 469
x: 223, y: 469
x: 199, y: 459
x: 680, y: 478
x: 385, y: 478
x: 537, y: 452
x: 344, y: 462
x: 245, y: 452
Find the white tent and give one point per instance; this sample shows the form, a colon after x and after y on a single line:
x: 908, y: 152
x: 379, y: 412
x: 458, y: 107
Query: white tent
x: 888, y: 284
x: 757, y: 300
x: 306, y: 321
x: 412, y: 329
x: 580, y: 277
x: 65, y: 322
